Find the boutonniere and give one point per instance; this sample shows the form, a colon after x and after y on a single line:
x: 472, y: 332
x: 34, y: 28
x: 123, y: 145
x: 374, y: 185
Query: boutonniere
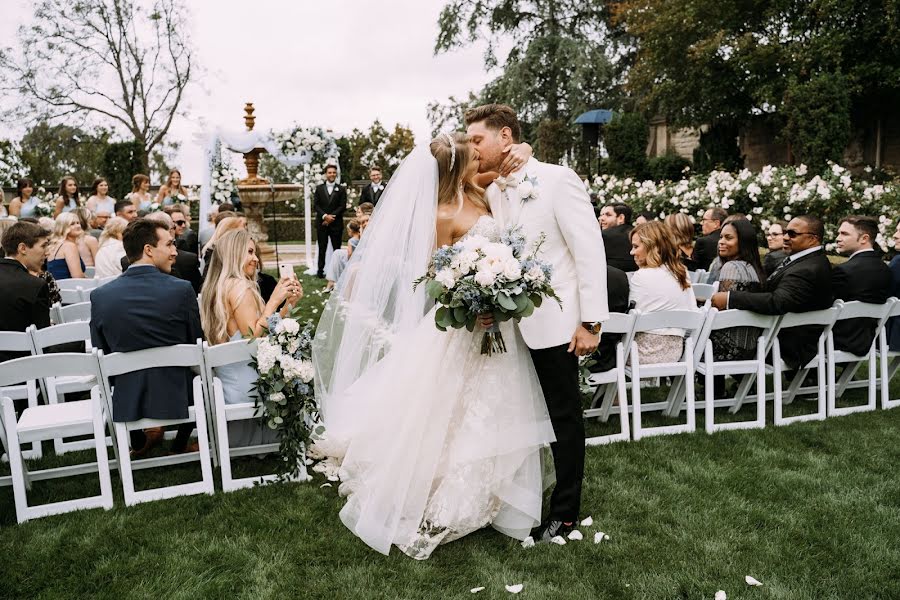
x: 528, y: 188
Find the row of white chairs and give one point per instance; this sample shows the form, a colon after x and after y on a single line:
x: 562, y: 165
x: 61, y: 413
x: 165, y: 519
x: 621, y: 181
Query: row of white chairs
x: 55, y: 374
x: 73, y: 291
x: 698, y: 358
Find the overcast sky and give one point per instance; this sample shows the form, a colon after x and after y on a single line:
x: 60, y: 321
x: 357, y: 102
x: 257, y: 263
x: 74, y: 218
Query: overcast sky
x: 336, y: 63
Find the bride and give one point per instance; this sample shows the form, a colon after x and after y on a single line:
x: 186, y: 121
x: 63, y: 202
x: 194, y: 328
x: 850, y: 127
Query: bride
x: 436, y: 439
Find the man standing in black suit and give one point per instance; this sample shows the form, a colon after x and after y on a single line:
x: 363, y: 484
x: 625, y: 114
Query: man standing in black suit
x: 864, y: 277
x: 372, y: 192
x: 25, y: 298
x: 330, y: 204
x: 615, y: 225
x: 801, y: 283
x: 706, y: 248
x: 146, y: 308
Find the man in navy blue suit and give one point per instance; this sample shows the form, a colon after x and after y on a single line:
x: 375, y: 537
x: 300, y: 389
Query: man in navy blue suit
x: 148, y: 308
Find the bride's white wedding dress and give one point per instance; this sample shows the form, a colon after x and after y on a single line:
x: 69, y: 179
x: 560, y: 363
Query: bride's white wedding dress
x: 447, y: 440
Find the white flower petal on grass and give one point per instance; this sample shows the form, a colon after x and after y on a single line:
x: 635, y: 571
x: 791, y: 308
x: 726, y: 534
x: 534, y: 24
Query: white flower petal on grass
x: 575, y: 535
x: 721, y: 595
x: 325, y: 485
x: 752, y: 581
x: 515, y: 589
x: 476, y: 590
x: 528, y: 542
x: 332, y: 478
x: 587, y: 522
x: 558, y: 540
x: 599, y: 537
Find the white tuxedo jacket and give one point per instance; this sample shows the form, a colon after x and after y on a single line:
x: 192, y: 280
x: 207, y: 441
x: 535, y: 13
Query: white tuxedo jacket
x: 573, y: 244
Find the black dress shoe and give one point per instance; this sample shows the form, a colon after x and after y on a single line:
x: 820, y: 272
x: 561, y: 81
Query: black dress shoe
x: 320, y: 275
x: 550, y: 529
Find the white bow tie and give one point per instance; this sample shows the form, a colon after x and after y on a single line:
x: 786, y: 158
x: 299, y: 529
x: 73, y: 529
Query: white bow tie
x: 505, y: 182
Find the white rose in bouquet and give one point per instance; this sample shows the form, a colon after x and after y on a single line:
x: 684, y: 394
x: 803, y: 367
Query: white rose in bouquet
x: 446, y: 278
x: 467, y: 261
x: 290, y: 326
x: 535, y: 273
x: 266, y: 355
x: 475, y: 242
x: 512, y: 270
x: 485, y: 277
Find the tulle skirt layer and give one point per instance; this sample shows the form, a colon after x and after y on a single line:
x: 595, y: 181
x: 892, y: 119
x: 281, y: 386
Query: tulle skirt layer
x: 445, y: 441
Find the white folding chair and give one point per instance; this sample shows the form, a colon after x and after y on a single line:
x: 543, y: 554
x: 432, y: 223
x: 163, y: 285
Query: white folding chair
x: 15, y: 341
x: 45, y: 422
x: 54, y: 387
x: 182, y: 355
x: 710, y: 368
x: 824, y: 318
x: 692, y: 322
x: 73, y: 312
x: 218, y: 356
x: 71, y: 296
x: 852, y: 362
x: 704, y: 291
x: 888, y: 362
x: 611, y: 384
x: 698, y: 276
x: 75, y: 283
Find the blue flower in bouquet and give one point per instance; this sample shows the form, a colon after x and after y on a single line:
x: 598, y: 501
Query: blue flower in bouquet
x: 514, y: 237
x: 443, y: 257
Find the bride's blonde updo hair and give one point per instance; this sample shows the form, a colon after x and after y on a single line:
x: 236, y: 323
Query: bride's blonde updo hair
x: 452, y: 181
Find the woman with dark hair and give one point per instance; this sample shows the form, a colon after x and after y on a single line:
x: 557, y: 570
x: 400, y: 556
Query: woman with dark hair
x: 741, y: 271
x: 170, y: 191
x: 645, y: 217
x: 25, y: 203
x: 100, y: 203
x: 68, y: 199
x: 140, y: 193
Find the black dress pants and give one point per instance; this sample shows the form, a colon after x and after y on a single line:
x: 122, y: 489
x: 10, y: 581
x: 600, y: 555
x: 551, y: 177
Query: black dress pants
x: 558, y: 373
x: 324, y: 235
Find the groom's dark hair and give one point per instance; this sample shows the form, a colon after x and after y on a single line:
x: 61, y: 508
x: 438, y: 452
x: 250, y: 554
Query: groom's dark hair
x: 495, y: 116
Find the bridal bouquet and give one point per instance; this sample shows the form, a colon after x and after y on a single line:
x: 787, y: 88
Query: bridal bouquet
x: 285, y: 391
x: 476, y: 276
x: 47, y: 206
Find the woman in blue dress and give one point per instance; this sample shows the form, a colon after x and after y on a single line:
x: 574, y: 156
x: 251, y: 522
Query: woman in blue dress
x: 68, y: 199
x: 64, y: 261
x: 101, y: 203
x: 25, y: 203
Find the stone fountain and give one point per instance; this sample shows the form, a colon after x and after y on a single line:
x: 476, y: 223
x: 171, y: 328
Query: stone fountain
x: 256, y: 192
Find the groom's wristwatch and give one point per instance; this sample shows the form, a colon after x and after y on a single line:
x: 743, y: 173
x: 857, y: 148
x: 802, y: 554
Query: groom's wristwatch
x: 594, y: 327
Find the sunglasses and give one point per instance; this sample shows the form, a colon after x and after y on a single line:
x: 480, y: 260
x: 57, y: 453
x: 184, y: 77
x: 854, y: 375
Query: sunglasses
x: 181, y: 223
x: 791, y: 233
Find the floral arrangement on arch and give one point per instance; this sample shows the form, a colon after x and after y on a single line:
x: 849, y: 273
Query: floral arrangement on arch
x: 285, y: 392
x: 315, y: 143
x: 223, y: 179
x: 772, y: 194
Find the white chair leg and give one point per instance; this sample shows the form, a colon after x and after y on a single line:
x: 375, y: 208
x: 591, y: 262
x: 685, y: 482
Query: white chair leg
x: 777, y: 373
x: 15, y: 461
x: 202, y: 438
x: 222, y: 436
x: 689, y: 386
x: 102, y: 453
x: 125, y: 467
x: 636, y: 393
x: 709, y: 382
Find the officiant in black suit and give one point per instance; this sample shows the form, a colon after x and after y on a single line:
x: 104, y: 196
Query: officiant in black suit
x: 801, y: 283
x: 330, y: 202
x: 373, y: 190
x: 864, y: 277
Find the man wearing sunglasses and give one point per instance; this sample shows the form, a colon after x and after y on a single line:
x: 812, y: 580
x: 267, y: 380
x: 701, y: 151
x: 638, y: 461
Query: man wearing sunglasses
x: 801, y: 283
x: 185, y: 237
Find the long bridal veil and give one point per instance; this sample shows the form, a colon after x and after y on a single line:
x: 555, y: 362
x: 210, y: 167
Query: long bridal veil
x: 374, y: 301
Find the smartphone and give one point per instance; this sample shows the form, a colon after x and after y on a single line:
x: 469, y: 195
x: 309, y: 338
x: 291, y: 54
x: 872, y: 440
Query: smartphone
x: 286, y: 270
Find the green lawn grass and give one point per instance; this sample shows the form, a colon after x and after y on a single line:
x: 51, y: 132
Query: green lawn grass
x: 812, y: 510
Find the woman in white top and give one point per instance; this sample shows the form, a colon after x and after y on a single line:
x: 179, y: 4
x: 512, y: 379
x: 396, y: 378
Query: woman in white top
x: 660, y: 283
x: 100, y: 203
x: 109, y: 258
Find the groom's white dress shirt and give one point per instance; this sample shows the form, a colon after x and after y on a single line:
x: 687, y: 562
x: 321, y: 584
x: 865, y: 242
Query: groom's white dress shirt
x: 573, y: 244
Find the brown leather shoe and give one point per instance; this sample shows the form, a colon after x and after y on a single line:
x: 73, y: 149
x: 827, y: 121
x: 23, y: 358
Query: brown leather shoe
x: 191, y: 447
x: 154, y: 437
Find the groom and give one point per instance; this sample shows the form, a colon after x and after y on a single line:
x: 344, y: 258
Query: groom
x: 553, y: 202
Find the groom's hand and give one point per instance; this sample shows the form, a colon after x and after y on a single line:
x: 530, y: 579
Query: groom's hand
x: 583, y: 342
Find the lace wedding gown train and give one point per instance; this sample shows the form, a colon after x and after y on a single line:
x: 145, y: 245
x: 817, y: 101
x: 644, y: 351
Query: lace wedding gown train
x: 449, y: 440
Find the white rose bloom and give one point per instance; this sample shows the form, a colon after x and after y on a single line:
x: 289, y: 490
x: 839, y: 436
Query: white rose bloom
x: 445, y: 278
x: 512, y: 270
x: 277, y: 398
x: 474, y: 242
x: 485, y: 278
x: 305, y: 371
x: 290, y: 326
x: 535, y: 273
x: 266, y: 355
x: 496, y: 251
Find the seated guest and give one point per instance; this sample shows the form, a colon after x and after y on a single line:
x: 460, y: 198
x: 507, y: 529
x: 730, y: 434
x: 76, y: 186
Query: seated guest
x: 266, y: 282
x: 864, y: 277
x: 111, y: 252
x: 644, y: 217
x: 185, y: 237
x: 740, y: 271
x: 65, y: 260
x: 125, y: 209
x: 97, y: 223
x: 683, y: 231
x: 230, y: 307
x: 187, y: 265
x: 615, y: 224
x: 224, y: 224
x: 661, y: 283
x: 707, y: 246
x: 25, y: 300
x: 617, y: 292
x: 206, y: 231
x: 341, y: 256
x: 802, y: 283
x: 121, y: 322
x: 893, y: 325
x: 47, y: 224
x: 775, y: 241
x: 87, y: 244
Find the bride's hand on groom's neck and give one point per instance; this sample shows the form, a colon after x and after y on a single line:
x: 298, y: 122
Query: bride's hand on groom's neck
x: 516, y: 157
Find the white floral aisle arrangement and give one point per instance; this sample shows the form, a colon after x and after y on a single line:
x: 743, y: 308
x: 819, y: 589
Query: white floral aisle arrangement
x: 224, y: 180
x: 476, y: 276
x: 773, y: 193
x: 315, y: 144
x: 285, y: 392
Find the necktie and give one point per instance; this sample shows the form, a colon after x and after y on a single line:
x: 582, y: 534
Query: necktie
x: 781, y: 267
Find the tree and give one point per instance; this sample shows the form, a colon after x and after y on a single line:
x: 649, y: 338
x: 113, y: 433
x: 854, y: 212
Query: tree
x: 121, y: 161
x: 378, y: 147
x: 626, y: 142
x: 722, y: 63
x: 118, y: 62
x: 51, y: 152
x: 565, y: 58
